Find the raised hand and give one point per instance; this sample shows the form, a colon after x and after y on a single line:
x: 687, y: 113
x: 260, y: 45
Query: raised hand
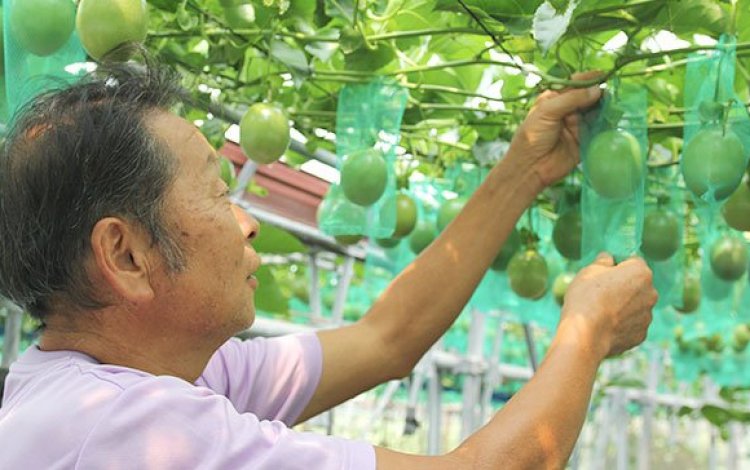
x: 548, y: 138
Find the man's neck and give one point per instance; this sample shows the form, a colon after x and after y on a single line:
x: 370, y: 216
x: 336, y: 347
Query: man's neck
x: 158, y: 353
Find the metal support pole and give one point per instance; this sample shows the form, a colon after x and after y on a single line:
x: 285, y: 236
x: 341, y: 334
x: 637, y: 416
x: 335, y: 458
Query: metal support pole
x: 434, y: 409
x: 243, y: 179
x: 418, y: 378
x: 621, y: 430
x: 713, y: 457
x: 12, y: 341
x: 530, y: 346
x: 493, y: 377
x: 599, y: 456
x: 472, y: 381
x: 644, y: 440
x: 315, y: 304
x: 345, y: 279
x: 390, y: 390
x: 733, y: 453
x: 711, y: 395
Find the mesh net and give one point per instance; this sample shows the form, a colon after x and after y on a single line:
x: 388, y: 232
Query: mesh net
x: 717, y: 127
x: 35, y: 59
x: 613, y: 145
x: 368, y: 120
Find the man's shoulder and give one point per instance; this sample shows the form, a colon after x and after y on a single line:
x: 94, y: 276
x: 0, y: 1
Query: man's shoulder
x: 76, y: 395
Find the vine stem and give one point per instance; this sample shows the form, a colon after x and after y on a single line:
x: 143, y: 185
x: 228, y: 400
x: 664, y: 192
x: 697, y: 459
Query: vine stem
x: 451, y: 107
x: 312, y: 37
x: 456, y: 145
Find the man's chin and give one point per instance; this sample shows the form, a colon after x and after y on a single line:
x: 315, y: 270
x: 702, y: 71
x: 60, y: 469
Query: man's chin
x: 247, y: 317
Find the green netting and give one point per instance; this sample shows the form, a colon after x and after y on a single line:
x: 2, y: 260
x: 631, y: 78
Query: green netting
x: 711, y: 171
x: 543, y: 310
x: 717, y: 126
x: 368, y: 120
x: 685, y: 360
x: 567, y: 230
x: 663, y: 248
x: 716, y: 314
x: 613, y: 151
x: 26, y: 73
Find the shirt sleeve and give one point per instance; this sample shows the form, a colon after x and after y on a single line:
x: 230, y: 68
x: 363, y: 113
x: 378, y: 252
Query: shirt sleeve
x: 273, y: 378
x: 153, y: 426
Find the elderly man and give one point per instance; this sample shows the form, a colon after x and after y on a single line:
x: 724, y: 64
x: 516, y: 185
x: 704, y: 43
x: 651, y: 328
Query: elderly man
x: 117, y: 233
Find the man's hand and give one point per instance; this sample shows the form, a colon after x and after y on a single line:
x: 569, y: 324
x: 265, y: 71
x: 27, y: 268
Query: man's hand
x: 548, y: 138
x: 610, y: 306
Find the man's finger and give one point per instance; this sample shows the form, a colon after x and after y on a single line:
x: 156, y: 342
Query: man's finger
x: 569, y: 102
x: 604, y: 259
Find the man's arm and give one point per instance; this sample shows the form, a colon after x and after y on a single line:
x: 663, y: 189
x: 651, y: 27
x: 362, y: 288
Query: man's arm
x: 425, y: 299
x: 607, y: 311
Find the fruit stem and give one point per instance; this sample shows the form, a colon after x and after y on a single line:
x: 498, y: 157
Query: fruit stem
x: 355, y: 14
x: 532, y: 238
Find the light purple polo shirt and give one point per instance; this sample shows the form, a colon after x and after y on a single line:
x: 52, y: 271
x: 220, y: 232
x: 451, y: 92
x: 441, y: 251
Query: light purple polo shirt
x: 64, y: 410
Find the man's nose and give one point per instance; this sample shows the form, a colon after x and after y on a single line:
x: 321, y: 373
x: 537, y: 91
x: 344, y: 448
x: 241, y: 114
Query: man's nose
x: 250, y: 227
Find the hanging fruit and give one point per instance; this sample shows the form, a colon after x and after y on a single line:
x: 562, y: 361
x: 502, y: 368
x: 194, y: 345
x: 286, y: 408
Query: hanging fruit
x: 691, y: 294
x: 729, y: 258
x: 264, y: 133
x: 614, y: 164
x: 661, y: 235
x: 567, y: 234
x: 528, y: 274
x: 509, y: 248
x: 560, y: 286
x: 422, y: 235
x: 364, y: 176
x: 736, y: 210
x: 713, y: 163
x: 42, y: 27
x: 105, y: 25
x: 449, y: 210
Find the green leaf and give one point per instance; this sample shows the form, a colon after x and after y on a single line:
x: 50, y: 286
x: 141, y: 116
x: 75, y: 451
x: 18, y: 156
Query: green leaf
x: 365, y: 59
x: 590, y: 17
x: 166, y: 5
x: 185, y: 20
x: 339, y: 9
x: 693, y: 16
x: 728, y: 394
x: 214, y: 131
x: 301, y: 9
x: 269, y: 297
x: 501, y: 8
x: 290, y: 56
x: 490, y: 126
x: 716, y: 415
x: 254, y: 66
x: 323, y: 50
x: 743, y: 20
x: 274, y: 240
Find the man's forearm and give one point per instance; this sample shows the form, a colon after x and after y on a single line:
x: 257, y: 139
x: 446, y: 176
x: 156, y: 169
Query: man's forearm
x: 425, y: 299
x: 539, y: 426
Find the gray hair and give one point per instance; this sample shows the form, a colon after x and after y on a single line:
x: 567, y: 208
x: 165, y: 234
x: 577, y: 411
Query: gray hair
x: 72, y: 157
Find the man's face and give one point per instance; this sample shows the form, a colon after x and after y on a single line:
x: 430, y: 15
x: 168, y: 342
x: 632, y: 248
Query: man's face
x: 214, y: 295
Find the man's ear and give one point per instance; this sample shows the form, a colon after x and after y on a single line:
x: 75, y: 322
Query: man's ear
x: 121, y: 256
